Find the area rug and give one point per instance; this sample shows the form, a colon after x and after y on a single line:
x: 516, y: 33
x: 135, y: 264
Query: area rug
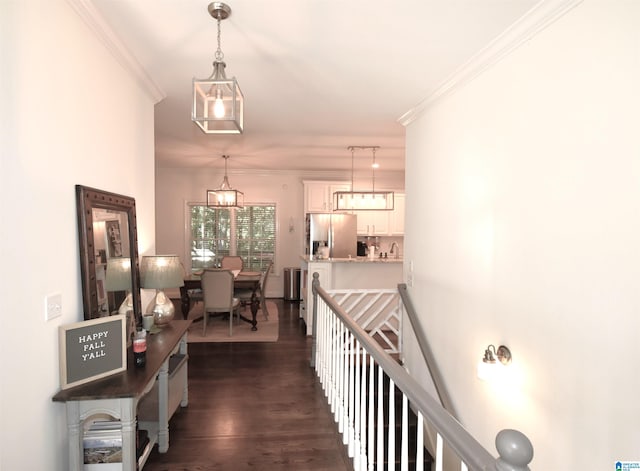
x: 218, y: 328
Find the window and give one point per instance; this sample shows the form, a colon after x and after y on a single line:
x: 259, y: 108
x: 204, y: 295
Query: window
x: 249, y: 232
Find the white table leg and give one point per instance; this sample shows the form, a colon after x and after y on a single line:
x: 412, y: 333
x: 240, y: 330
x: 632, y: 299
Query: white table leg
x: 163, y: 408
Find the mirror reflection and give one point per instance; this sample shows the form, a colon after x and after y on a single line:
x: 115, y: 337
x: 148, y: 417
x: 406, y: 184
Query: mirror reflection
x: 113, y: 261
x: 108, y: 254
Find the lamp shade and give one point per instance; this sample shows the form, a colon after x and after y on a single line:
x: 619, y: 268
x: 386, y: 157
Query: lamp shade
x: 118, y: 276
x: 161, y: 271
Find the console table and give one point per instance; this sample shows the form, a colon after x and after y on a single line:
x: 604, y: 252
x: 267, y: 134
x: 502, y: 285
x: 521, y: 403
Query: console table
x: 120, y: 396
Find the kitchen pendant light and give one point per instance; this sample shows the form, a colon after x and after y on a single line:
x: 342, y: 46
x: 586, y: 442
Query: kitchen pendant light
x: 225, y: 196
x: 363, y: 200
x: 218, y: 103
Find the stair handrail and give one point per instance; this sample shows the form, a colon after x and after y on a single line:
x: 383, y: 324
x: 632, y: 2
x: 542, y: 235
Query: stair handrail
x: 427, y: 353
x: 510, y: 443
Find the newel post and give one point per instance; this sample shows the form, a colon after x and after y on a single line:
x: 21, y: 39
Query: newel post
x: 314, y: 313
x: 515, y: 450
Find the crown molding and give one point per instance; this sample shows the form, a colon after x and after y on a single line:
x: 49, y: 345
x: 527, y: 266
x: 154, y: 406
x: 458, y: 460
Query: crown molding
x: 97, y: 24
x: 533, y: 22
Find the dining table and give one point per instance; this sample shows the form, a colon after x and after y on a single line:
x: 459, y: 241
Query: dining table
x: 241, y: 280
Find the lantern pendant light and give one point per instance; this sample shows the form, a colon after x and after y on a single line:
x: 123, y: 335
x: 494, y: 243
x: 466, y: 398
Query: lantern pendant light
x: 364, y: 200
x: 218, y: 103
x: 225, y: 196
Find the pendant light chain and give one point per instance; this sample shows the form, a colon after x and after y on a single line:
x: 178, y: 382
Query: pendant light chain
x: 219, y: 54
x: 225, y: 180
x: 373, y: 170
x: 352, y: 152
x: 363, y: 200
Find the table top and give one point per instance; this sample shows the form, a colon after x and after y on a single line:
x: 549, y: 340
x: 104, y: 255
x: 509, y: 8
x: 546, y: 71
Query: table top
x: 132, y: 381
x: 244, y: 279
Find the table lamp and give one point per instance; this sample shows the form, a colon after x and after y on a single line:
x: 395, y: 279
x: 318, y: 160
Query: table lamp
x: 160, y: 272
x: 118, y: 278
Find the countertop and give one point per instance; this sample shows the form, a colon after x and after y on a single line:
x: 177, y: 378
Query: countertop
x: 307, y: 259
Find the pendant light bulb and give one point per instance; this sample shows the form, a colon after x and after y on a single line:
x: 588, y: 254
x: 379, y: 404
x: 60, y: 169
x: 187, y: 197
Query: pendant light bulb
x: 218, y: 105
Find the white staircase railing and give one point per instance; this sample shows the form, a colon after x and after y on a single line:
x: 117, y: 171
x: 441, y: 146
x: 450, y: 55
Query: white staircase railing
x: 378, y: 312
x: 354, y: 370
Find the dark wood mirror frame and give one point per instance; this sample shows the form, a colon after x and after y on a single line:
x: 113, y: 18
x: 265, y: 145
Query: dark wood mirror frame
x: 88, y: 199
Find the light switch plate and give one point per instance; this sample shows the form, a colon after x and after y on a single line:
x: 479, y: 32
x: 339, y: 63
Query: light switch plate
x: 52, y: 306
x: 410, y: 274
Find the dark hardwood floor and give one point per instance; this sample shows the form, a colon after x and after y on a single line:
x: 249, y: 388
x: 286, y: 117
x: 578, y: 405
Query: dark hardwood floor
x: 254, y: 406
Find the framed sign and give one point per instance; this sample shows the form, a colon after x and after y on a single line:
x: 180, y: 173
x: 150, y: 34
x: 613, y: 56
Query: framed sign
x: 92, y: 349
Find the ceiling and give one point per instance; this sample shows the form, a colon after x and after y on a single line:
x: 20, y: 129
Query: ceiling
x: 317, y: 75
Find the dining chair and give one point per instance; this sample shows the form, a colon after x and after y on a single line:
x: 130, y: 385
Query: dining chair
x: 231, y: 262
x: 217, y: 289
x: 194, y: 295
x: 244, y: 295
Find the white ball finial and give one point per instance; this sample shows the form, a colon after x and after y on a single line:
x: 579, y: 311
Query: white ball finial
x: 515, y: 450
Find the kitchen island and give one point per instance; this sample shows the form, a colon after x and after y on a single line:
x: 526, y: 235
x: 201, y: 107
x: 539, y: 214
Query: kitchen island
x: 346, y: 273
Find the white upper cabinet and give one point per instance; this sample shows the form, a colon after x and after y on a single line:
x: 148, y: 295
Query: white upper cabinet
x: 318, y: 198
x: 318, y: 195
x: 396, y: 218
x: 383, y: 223
x: 373, y: 223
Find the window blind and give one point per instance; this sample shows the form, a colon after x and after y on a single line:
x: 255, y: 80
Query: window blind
x: 249, y: 232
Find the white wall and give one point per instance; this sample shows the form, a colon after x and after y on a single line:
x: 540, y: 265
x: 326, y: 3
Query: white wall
x: 177, y: 187
x: 70, y: 115
x: 527, y: 183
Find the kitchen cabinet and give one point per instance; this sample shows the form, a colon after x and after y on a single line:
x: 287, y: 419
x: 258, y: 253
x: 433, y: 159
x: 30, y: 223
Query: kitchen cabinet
x: 396, y: 218
x: 318, y: 195
x: 373, y: 223
x: 308, y: 268
x: 383, y: 223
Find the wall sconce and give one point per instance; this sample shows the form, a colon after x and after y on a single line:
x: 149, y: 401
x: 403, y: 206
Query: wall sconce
x: 493, y: 362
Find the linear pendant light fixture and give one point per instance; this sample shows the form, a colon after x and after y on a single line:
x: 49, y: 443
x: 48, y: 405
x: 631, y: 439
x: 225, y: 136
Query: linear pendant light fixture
x: 363, y: 200
x: 218, y: 103
x: 225, y: 196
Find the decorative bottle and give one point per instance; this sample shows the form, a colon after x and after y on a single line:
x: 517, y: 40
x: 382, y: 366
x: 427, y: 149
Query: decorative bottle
x: 140, y: 348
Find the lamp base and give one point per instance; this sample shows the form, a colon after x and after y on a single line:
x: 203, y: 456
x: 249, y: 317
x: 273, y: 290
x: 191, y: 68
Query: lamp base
x: 162, y: 308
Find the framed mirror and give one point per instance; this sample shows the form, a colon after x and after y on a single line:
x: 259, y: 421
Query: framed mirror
x: 109, y: 266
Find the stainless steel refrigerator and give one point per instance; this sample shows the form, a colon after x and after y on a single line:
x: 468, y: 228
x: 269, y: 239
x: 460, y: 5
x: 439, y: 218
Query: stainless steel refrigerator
x: 336, y: 230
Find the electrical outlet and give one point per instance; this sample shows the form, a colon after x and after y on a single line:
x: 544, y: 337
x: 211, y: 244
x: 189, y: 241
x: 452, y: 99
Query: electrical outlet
x: 52, y: 306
